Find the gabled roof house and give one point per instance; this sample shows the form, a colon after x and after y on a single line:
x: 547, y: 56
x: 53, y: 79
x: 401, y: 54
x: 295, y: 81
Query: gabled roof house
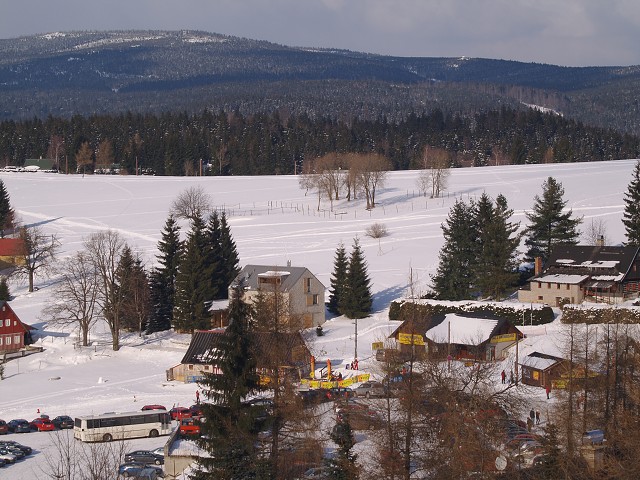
x: 14, y: 335
x: 302, y: 291
x: 574, y: 273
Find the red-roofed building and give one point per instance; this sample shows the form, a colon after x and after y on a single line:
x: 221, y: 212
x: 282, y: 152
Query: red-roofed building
x: 14, y: 334
x: 12, y: 251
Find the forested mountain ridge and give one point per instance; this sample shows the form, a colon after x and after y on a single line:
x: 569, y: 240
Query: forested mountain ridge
x: 63, y: 74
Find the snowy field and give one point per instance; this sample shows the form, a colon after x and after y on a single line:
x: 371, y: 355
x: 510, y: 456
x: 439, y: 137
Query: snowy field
x: 273, y: 222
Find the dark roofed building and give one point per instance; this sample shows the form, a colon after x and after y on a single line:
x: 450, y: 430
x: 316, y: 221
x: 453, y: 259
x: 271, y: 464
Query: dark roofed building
x: 287, y: 350
x: 574, y: 273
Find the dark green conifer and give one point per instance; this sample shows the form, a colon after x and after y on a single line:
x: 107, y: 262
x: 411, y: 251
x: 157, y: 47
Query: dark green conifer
x: 338, y: 280
x: 218, y: 280
x: 163, y: 277
x: 631, y: 216
x: 357, y: 300
x: 230, y: 434
x: 192, y: 295
x: 549, y: 224
x: 496, y: 262
x: 342, y: 466
x: 230, y: 259
x: 6, y: 212
x: 5, y: 294
x: 455, y: 274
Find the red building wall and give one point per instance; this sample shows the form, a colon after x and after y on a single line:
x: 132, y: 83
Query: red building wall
x: 12, y: 330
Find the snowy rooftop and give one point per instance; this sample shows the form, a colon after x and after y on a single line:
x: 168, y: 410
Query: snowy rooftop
x: 464, y: 330
x: 538, y: 363
x: 561, y: 278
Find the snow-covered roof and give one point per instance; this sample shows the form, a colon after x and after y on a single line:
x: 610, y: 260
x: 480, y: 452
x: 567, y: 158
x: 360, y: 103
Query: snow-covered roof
x: 608, y: 278
x: 464, y: 330
x: 562, y: 278
x: 539, y: 363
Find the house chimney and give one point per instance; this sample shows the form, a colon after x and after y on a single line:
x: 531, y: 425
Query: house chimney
x: 537, y: 266
x: 600, y: 241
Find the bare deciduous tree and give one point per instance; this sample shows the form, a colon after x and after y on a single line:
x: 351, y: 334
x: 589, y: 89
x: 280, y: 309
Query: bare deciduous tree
x: 372, y: 173
x: 436, y: 161
x: 70, y: 459
x: 191, y: 203
x: 84, y: 157
x: 105, y: 248
x: 596, y: 232
x: 75, y: 295
x: 377, y: 230
x: 37, y: 253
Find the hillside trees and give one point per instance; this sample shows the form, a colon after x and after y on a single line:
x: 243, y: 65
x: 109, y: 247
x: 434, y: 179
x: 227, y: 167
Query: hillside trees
x: 631, y: 216
x: 134, y: 288
x: 84, y: 157
x: 549, y: 224
x: 230, y: 265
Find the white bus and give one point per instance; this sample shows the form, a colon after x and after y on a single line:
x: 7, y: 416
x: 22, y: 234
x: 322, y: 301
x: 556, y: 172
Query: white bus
x: 118, y: 426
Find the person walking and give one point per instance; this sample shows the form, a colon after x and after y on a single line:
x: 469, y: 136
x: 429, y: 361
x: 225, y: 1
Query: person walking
x: 504, y: 376
x: 537, y: 417
x: 197, y: 396
x: 548, y: 390
x: 532, y: 415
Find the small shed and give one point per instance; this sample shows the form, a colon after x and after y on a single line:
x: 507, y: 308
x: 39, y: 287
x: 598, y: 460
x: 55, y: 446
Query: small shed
x: 540, y: 370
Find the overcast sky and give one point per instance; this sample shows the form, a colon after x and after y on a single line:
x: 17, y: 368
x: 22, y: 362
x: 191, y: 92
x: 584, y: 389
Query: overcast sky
x: 562, y: 32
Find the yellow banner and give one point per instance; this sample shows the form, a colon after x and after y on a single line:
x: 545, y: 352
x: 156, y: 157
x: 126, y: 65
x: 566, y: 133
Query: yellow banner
x: 507, y: 337
x: 377, y: 346
x: 408, y: 339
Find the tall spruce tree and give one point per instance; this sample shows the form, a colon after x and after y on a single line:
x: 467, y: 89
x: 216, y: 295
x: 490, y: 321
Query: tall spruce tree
x: 124, y: 274
x: 230, y: 434
x: 496, y: 263
x: 218, y: 280
x: 455, y: 274
x: 163, y: 278
x: 230, y: 259
x: 549, y: 224
x: 6, y: 212
x: 192, y: 283
x: 342, y: 466
x: 357, y: 299
x: 338, y: 280
x: 631, y: 216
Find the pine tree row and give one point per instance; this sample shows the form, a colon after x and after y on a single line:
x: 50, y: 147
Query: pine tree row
x: 350, y: 290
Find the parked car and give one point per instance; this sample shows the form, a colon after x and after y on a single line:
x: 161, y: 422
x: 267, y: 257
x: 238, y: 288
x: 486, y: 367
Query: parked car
x: 370, y: 389
x: 63, y: 421
x: 144, y: 456
x: 140, y: 470
x: 196, y: 410
x: 7, y: 457
x: 13, y: 450
x: 339, y: 392
x: 42, y: 424
x: 13, y: 444
x: 4, y: 428
x: 153, y: 407
x: 178, y: 413
x: 312, y: 396
x: 19, y: 425
x: 359, y: 416
x: 190, y: 427
x: 158, y: 451
x: 2, y: 462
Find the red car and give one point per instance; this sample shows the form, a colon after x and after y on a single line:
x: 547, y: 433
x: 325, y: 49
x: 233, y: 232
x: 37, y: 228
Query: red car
x: 42, y: 425
x: 153, y: 407
x: 4, y: 428
x: 190, y: 427
x: 178, y: 413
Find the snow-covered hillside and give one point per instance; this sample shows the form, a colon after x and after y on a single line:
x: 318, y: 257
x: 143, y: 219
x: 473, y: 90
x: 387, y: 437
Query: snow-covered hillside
x: 273, y: 222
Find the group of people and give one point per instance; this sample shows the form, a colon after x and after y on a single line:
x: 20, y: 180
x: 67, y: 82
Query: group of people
x: 503, y: 375
x: 534, y: 419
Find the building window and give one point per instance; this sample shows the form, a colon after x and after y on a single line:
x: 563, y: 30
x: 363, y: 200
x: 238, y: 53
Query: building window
x: 8, y: 341
x: 558, y: 286
x: 539, y: 284
x: 16, y: 339
x: 0, y: 340
x: 540, y: 297
x: 7, y: 323
x: 315, y: 299
x: 190, y: 367
x: 307, y: 285
x: 567, y: 286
